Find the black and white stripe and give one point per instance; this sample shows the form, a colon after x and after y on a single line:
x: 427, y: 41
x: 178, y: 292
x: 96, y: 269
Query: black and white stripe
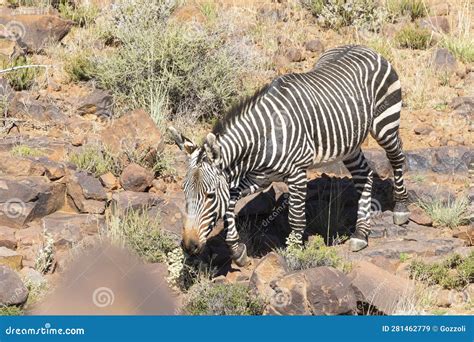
x: 307, y: 119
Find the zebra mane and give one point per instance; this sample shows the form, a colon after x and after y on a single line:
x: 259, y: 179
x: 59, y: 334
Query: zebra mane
x: 237, y: 110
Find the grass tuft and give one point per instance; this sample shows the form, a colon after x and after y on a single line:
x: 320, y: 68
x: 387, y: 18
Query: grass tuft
x: 452, y: 213
x: 206, y: 298
x: 413, y: 37
x: 94, y: 159
x: 25, y: 151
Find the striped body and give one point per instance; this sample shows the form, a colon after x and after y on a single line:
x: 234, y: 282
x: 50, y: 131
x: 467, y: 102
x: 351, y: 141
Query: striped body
x: 304, y: 120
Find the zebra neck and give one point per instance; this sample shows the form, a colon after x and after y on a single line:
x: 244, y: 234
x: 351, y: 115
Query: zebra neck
x: 233, y: 156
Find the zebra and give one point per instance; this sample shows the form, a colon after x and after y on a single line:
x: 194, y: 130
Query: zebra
x: 298, y: 121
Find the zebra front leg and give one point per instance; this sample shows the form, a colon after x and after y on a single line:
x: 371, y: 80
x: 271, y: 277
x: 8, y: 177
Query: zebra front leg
x: 238, y: 250
x: 362, y: 176
x: 297, y: 186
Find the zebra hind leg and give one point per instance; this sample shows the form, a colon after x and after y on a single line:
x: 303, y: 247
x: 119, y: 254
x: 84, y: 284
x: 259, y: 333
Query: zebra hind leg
x: 362, y: 176
x: 393, y: 148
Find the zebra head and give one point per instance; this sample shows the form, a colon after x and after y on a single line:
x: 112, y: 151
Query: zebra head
x: 206, y: 190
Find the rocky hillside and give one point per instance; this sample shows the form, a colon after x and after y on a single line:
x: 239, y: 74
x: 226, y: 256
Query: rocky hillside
x: 90, y: 185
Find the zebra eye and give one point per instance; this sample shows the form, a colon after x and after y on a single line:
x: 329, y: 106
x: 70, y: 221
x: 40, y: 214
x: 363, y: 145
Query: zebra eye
x: 211, y: 194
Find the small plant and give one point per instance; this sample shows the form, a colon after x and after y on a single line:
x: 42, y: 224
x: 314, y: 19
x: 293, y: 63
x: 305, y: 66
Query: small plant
x: 419, y: 178
x: 407, y: 8
x: 141, y: 233
x: 209, y: 10
x: 413, y: 37
x: 22, y: 78
x: 314, y: 254
x: 206, y: 298
x: 461, y: 47
x: 25, y: 151
x: 452, y: 213
x: 11, y: 311
x: 79, y: 67
x: 45, y: 257
x: 383, y: 47
x: 83, y: 14
x: 404, y: 257
x: 96, y: 160
x: 453, y: 273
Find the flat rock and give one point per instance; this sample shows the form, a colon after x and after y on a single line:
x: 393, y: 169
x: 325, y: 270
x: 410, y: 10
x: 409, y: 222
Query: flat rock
x: 419, y: 216
x: 86, y: 193
x: 130, y: 200
x: 270, y: 268
x: 25, y: 199
x: 377, y: 289
x: 24, y: 106
x: 98, y: 103
x: 14, y: 292
x: 463, y: 105
x: 10, y: 258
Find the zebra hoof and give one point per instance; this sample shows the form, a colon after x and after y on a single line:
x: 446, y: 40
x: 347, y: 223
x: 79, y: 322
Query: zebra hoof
x: 356, y: 244
x: 240, y: 256
x: 400, y: 218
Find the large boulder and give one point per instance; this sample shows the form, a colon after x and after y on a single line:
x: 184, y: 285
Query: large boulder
x: 34, y: 27
x: 25, y: 106
x: 13, y: 292
x: 316, y: 291
x: 86, y: 193
x: 136, y: 178
x: 270, y: 268
x: 134, y: 130
x: 379, y: 291
x: 25, y: 199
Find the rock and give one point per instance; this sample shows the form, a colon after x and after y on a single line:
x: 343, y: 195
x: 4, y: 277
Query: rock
x: 98, y: 103
x: 24, y: 106
x: 25, y: 199
x: 274, y: 14
x: 52, y: 169
x: 134, y: 130
x: 32, y: 276
x: 18, y: 166
x: 378, y: 289
x: 290, y: 296
x: 463, y: 105
x: 464, y: 233
x: 10, y: 258
x: 385, y: 263
x: 317, y: 291
x: 294, y: 55
x: 136, y: 178
x: 68, y: 229
x: 437, y: 24
x: 270, y: 268
x: 423, y: 129
x: 281, y: 61
x: 159, y: 185
x: 443, y: 60
x: 169, y: 212
x: 129, y: 200
x: 109, y: 181
x: 86, y: 193
x: 35, y: 27
x: 419, y: 216
x: 314, y: 45
x: 14, y: 292
x: 7, y: 237
x: 330, y: 292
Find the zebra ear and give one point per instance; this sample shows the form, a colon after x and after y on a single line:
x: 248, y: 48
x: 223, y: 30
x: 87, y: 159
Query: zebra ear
x: 183, y: 143
x: 213, y: 149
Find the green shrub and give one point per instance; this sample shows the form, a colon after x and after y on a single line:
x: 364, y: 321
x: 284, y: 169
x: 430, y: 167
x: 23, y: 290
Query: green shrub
x: 452, y: 213
x: 79, y: 67
x: 96, y: 160
x: 25, y: 151
x: 413, y: 37
x: 170, y: 68
x: 314, y: 254
x: 11, y: 311
x: 461, y: 47
x: 206, y: 298
x: 83, y: 14
x: 20, y: 79
x: 141, y: 233
x: 453, y: 273
x: 407, y: 8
